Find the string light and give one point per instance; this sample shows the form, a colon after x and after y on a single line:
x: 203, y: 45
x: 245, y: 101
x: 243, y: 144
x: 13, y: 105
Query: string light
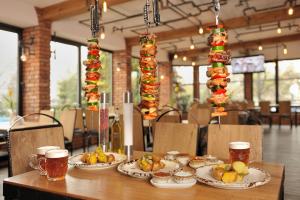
x: 291, y: 11
x: 162, y: 77
x: 201, y: 31
x: 285, y: 51
x: 192, y: 46
x: 193, y: 63
x: 184, y: 58
x: 260, y: 48
x: 279, y: 30
x: 118, y: 69
x: 102, y: 36
x: 175, y: 56
x: 104, y: 6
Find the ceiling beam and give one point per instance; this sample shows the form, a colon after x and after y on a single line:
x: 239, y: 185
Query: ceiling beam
x: 239, y: 45
x: 233, y: 23
x: 71, y: 8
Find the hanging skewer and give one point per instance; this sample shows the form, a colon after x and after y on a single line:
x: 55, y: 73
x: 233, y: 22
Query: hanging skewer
x: 217, y: 8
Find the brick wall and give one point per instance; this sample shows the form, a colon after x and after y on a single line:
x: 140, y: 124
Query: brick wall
x: 165, y: 83
x: 36, y: 70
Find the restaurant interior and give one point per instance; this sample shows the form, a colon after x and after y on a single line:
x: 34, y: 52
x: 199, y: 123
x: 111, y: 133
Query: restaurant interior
x: 149, y: 99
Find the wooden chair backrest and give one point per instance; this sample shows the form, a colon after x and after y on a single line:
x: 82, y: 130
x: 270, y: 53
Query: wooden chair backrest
x: 264, y: 107
x: 138, y: 133
x: 92, y: 120
x: 220, y: 137
x: 22, y: 142
x: 67, y: 119
x: 44, y: 119
x: 79, y: 124
x: 175, y: 136
x: 231, y: 118
x: 199, y: 115
x: 284, y: 107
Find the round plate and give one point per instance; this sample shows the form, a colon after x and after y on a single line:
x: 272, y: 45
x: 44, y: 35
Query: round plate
x: 173, y: 185
x: 131, y: 169
x: 75, y: 161
x: 256, y: 177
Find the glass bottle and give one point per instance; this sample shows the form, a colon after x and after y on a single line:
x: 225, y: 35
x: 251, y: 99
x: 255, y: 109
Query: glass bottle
x: 104, y: 122
x: 117, y: 135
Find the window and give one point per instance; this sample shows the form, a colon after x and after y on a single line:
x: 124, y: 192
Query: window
x: 64, y: 75
x: 289, y: 80
x: 235, y: 88
x: 135, y: 80
x: 9, y: 57
x: 183, y: 80
x: 204, y: 91
x: 105, y: 83
x: 264, y: 87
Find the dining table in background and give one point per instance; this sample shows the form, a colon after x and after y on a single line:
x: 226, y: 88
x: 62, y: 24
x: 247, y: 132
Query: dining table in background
x: 109, y: 184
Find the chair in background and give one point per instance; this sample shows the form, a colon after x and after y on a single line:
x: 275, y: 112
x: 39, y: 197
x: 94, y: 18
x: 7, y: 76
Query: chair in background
x: 22, y: 142
x: 67, y: 119
x: 199, y: 115
x: 92, y: 126
x: 231, y: 118
x: 79, y: 131
x: 44, y: 119
x: 220, y: 137
x: 265, y: 112
x: 285, y: 112
x: 175, y: 136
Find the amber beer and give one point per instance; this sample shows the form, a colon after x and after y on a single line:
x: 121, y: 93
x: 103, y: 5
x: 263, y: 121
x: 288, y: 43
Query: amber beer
x: 56, y: 164
x: 41, y: 151
x: 239, y: 151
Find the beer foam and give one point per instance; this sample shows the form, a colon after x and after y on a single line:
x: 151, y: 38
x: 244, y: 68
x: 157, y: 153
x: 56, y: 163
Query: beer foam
x: 42, y: 150
x: 57, y: 153
x: 239, y: 145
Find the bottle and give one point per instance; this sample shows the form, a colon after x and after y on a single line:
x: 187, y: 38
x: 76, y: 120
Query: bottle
x: 117, y: 137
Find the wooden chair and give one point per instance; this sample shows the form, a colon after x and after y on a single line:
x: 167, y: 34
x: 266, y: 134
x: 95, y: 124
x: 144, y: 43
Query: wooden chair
x: 79, y: 130
x: 175, y: 136
x: 199, y: 115
x: 22, y: 142
x: 231, y: 118
x: 265, y: 111
x: 67, y: 119
x: 220, y: 137
x: 285, y: 112
x: 92, y: 126
x: 46, y: 120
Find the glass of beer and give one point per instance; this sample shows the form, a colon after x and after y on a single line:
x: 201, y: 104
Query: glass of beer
x: 56, y: 164
x: 239, y: 151
x: 40, y: 153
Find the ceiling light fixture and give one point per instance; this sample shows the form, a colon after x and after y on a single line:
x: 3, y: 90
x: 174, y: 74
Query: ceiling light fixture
x: 192, y: 46
x: 162, y: 77
x: 291, y: 10
x: 285, y: 51
x: 23, y: 57
x: 279, y: 31
x: 260, y: 48
x: 102, y: 33
x: 104, y: 6
x: 175, y: 56
x: 201, y: 31
x: 118, y: 69
x: 184, y: 58
x: 193, y: 63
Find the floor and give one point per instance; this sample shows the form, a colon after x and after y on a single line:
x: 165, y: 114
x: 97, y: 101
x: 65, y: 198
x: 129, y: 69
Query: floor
x: 281, y: 145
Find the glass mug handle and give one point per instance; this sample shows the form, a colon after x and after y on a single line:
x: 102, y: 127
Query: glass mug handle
x: 33, y: 163
x: 42, y: 171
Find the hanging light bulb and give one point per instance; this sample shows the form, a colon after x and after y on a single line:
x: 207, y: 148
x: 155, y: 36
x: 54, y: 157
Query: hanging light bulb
x: 285, y: 51
x: 102, y: 33
x: 192, y: 46
x: 193, y: 63
x: 279, y: 30
x: 175, y: 56
x: 118, y: 69
x: 260, y: 48
x: 184, y: 58
x: 23, y: 57
x: 162, y: 77
x: 102, y: 36
x: 201, y: 31
x: 104, y: 6
x: 291, y: 10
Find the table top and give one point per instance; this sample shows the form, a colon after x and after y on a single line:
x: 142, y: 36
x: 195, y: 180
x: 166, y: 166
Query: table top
x: 109, y: 184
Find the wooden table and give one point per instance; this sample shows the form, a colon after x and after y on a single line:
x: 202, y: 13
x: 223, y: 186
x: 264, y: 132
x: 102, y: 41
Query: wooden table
x: 109, y: 184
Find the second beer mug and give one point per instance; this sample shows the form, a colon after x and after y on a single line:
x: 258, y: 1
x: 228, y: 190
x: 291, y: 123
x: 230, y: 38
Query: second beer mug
x: 56, y: 164
x: 239, y: 151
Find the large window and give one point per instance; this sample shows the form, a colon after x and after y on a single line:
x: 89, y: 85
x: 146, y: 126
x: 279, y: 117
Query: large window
x: 264, y: 86
x: 135, y: 80
x: 105, y: 83
x: 204, y: 91
x: 183, y: 80
x: 9, y: 57
x: 64, y: 75
x: 289, y: 80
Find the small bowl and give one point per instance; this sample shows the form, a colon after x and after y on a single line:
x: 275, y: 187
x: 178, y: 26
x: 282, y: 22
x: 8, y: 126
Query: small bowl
x: 183, y: 158
x: 171, y: 155
x: 161, y: 177
x: 183, y: 177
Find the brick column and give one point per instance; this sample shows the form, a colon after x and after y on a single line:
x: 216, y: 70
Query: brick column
x: 36, y: 70
x: 248, y: 86
x: 165, y: 83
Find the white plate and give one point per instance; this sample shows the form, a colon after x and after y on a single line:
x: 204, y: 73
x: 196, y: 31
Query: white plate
x: 256, y: 177
x: 131, y: 169
x: 172, y: 184
x: 75, y: 161
x: 206, y: 163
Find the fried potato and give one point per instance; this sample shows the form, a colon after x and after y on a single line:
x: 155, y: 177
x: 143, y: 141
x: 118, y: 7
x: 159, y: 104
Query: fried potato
x: 218, y: 172
x: 229, y: 177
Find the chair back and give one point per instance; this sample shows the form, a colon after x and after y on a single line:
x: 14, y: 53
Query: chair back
x: 175, y: 136
x: 22, y: 142
x: 92, y: 120
x: 264, y: 107
x: 220, y: 137
x: 284, y: 107
x: 138, y: 131
x: 199, y: 115
x: 44, y: 119
x: 231, y: 118
x: 79, y: 124
x: 67, y: 119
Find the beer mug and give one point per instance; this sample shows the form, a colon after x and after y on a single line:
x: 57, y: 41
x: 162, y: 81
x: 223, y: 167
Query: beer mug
x: 56, y: 164
x: 239, y: 151
x: 40, y: 153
